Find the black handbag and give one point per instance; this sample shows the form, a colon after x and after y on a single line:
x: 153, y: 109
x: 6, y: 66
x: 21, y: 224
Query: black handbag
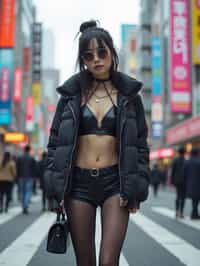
x: 58, y: 235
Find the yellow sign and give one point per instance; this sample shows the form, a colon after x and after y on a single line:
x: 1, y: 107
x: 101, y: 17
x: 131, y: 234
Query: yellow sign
x: 14, y: 137
x: 196, y: 32
x: 36, y: 93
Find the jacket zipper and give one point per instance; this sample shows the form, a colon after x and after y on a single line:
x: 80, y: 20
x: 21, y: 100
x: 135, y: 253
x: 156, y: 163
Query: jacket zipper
x: 120, y: 149
x: 73, y: 148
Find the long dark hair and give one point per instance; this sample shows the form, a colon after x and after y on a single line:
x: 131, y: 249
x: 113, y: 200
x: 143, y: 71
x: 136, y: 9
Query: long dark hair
x: 6, y: 159
x: 89, y: 30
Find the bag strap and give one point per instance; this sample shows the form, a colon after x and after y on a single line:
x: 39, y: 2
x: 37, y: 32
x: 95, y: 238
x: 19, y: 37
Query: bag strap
x: 60, y: 213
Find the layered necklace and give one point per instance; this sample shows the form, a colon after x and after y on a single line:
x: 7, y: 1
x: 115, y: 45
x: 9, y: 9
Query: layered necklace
x: 99, y: 99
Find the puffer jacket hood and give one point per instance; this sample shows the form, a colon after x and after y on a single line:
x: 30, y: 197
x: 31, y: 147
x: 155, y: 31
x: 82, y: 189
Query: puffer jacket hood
x: 124, y: 83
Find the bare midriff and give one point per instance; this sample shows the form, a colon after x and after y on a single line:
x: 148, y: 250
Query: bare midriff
x: 95, y: 151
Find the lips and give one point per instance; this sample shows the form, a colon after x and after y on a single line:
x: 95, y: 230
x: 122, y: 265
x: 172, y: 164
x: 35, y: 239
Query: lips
x: 98, y: 67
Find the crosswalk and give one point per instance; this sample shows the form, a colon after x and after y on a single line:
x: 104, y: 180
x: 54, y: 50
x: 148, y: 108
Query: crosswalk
x: 26, y: 246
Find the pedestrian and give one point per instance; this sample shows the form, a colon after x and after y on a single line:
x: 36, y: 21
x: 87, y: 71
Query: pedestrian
x: 192, y: 175
x: 156, y: 178
x: 41, y: 169
x: 7, y: 178
x: 178, y: 180
x: 26, y: 171
x: 97, y: 151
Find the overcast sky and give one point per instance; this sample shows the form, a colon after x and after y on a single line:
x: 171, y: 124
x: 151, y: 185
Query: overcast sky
x: 65, y: 16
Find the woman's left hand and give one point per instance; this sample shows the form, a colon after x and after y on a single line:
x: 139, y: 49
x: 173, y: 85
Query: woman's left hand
x: 133, y: 210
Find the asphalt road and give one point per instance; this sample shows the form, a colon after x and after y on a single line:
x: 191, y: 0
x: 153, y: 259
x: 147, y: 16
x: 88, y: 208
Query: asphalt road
x: 154, y: 237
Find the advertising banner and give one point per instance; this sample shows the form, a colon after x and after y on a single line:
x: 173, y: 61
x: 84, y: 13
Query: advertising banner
x: 6, y: 85
x: 184, y: 131
x: 180, y: 81
x: 29, y: 114
x: 36, y: 91
x: 7, y: 23
x: 36, y: 52
x: 195, y: 32
x: 157, y: 109
x: 18, y: 83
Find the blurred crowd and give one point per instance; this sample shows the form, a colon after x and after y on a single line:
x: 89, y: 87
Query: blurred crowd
x: 184, y: 175
x: 27, y: 174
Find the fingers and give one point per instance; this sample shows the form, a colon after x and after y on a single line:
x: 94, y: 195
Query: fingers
x: 123, y: 202
x: 133, y: 210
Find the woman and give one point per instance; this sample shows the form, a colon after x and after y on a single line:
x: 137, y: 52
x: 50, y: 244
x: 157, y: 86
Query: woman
x: 7, y: 178
x: 97, y: 151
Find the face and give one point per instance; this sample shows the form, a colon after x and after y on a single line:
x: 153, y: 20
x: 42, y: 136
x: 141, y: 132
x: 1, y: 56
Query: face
x: 98, y: 60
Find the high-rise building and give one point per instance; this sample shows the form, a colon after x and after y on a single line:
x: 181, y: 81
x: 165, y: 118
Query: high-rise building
x: 144, y: 54
x: 25, y: 15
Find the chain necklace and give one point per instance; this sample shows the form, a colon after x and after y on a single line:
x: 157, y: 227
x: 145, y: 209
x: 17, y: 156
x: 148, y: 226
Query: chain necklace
x: 101, y: 98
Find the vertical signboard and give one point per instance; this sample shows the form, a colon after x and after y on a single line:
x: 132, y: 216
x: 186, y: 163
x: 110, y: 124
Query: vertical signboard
x: 129, y: 43
x: 6, y: 85
x: 29, y: 114
x: 7, y: 23
x: 18, y: 83
x: 195, y: 32
x: 36, y: 62
x: 180, y: 80
x: 157, y: 110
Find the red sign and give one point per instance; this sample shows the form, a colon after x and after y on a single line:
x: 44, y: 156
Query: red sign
x: 161, y: 153
x: 180, y: 76
x: 7, y: 23
x: 198, y: 3
x: 17, y: 84
x: 186, y: 130
x: 5, y: 85
x: 29, y: 108
x: 26, y: 59
x: 51, y: 108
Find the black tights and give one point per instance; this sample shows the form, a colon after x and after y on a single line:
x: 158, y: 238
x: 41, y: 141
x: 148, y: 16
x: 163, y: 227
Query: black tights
x: 82, y: 221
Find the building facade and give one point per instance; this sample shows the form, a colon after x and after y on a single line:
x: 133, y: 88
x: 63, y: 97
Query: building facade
x: 144, y: 54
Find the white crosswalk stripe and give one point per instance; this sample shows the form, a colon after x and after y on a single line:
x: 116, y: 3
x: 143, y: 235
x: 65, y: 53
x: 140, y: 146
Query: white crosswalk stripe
x: 24, y: 248
x: 182, y: 250
x: 14, y: 211
x: 20, y: 252
x: 123, y: 261
x: 171, y: 214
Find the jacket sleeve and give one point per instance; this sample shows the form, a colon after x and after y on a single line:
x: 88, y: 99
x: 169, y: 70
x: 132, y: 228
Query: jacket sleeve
x: 51, y: 148
x: 143, y: 152
x: 53, y: 138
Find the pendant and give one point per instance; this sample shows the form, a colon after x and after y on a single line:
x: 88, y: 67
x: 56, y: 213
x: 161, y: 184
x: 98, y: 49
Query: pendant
x: 97, y: 100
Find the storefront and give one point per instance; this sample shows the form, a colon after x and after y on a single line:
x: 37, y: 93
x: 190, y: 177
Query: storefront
x: 162, y: 156
x: 186, y: 133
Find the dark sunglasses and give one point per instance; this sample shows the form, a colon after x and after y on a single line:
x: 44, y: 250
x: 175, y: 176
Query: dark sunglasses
x: 89, y: 55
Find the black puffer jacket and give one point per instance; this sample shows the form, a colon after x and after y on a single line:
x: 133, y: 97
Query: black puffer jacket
x: 131, y: 132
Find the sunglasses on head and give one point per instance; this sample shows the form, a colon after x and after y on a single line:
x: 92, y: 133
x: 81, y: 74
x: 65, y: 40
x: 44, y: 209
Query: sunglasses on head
x: 89, y: 55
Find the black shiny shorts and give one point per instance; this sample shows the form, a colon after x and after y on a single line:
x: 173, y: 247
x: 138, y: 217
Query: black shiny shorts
x: 95, y: 185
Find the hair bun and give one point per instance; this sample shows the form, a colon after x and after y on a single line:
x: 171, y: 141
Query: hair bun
x: 88, y: 24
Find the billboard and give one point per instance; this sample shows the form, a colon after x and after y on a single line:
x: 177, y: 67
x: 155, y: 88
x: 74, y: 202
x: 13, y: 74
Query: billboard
x: 128, y: 63
x: 6, y: 84
x: 195, y: 32
x: 180, y: 81
x: 157, y: 110
x: 7, y: 25
x: 29, y: 114
x: 18, y: 84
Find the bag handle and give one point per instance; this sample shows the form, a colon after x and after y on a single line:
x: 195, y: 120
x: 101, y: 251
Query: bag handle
x: 59, y: 213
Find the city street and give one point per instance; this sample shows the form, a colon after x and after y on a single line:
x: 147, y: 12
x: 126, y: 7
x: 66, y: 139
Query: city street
x: 154, y: 237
